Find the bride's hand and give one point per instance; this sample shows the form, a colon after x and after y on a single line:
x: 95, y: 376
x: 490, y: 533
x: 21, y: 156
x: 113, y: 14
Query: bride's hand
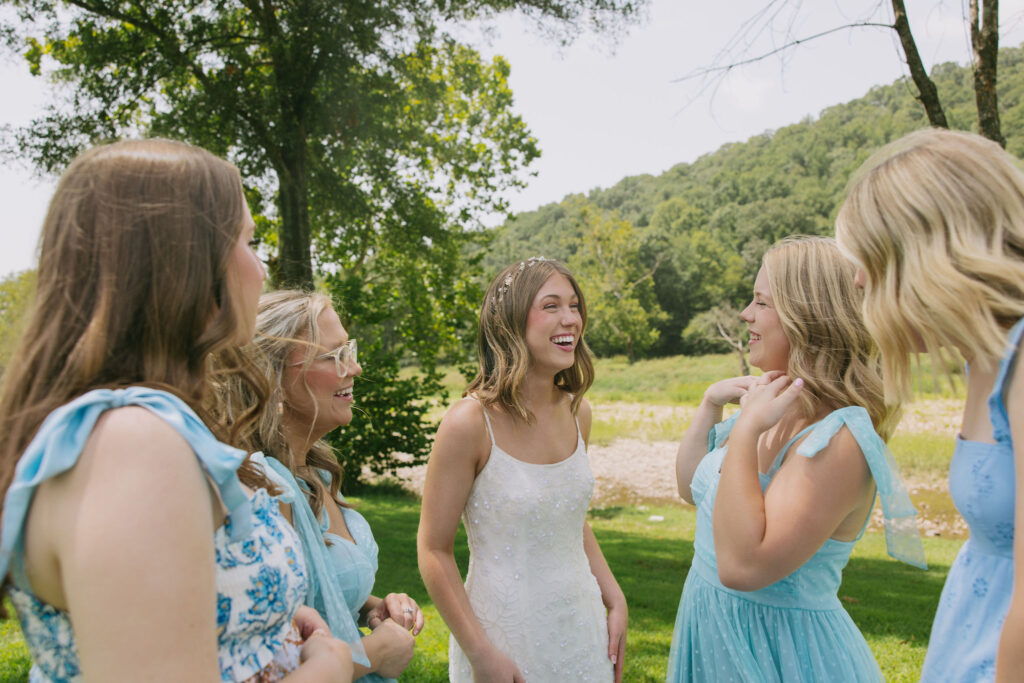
x: 617, y: 617
x: 495, y: 666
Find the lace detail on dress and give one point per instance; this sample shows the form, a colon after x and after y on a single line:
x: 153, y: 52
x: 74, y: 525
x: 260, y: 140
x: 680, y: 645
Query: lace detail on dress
x: 529, y: 580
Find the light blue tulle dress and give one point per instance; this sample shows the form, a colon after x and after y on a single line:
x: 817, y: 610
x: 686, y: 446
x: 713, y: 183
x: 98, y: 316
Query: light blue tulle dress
x: 976, y: 596
x: 260, y: 574
x: 794, y: 629
x: 342, y: 574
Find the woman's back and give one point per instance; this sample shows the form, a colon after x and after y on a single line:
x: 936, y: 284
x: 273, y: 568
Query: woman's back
x: 260, y: 578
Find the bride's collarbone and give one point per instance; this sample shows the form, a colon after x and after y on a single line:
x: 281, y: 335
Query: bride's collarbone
x: 546, y: 440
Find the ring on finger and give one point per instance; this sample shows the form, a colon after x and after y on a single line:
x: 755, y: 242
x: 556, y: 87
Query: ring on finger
x: 409, y: 610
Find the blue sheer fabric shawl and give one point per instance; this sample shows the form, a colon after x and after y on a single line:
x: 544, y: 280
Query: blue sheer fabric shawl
x: 902, y: 538
x: 318, y: 562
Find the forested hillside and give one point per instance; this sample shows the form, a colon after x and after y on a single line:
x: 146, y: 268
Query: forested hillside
x: 653, y: 252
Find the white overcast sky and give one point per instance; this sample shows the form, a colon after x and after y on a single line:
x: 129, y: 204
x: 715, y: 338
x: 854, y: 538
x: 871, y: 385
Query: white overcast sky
x: 602, y: 112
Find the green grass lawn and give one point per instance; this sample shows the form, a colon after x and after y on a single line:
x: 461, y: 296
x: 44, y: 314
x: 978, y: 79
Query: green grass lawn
x: 892, y: 603
x: 683, y: 379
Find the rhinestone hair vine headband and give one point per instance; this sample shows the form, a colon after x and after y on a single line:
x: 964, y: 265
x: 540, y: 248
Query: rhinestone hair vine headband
x: 523, y: 265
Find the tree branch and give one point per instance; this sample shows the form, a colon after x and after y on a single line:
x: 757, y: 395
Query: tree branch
x: 928, y: 94
x: 700, y: 73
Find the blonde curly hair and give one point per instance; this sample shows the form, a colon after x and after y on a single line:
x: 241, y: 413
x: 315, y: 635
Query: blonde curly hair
x: 936, y: 222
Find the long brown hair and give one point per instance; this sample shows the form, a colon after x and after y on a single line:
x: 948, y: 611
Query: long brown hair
x: 132, y: 284
x: 501, y: 341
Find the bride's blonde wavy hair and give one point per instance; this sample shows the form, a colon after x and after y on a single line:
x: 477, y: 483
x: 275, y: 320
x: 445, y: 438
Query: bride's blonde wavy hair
x: 936, y: 222
x: 813, y: 291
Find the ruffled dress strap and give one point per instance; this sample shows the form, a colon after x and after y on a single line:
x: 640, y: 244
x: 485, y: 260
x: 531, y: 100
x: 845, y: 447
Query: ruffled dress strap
x: 902, y: 538
x: 996, y: 400
x: 59, y: 441
x: 720, y: 432
x: 314, y: 548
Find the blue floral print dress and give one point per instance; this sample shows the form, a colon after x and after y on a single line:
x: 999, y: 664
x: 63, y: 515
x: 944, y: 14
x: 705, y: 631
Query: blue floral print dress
x: 260, y: 572
x: 976, y: 595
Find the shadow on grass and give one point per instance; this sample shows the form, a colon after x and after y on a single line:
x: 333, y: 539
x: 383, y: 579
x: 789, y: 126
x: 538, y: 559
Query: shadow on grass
x: 890, y: 598
x: 610, y: 512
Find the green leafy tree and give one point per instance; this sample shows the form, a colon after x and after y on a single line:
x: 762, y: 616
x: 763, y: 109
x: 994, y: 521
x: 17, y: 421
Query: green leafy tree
x: 621, y: 307
x: 370, y: 141
x: 720, y: 328
x: 16, y: 291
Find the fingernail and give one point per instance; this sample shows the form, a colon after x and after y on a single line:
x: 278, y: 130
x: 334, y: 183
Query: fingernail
x: 798, y: 382
x: 615, y: 659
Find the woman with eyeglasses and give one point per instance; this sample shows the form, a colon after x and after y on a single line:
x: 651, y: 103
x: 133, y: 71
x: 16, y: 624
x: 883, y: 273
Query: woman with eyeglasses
x: 311, y: 364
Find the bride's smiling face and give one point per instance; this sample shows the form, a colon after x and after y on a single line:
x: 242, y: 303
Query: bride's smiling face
x: 554, y: 324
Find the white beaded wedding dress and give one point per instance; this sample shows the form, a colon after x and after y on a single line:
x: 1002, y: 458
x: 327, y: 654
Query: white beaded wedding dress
x: 529, y: 579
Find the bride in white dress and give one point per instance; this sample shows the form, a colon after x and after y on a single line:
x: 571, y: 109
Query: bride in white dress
x: 539, y: 603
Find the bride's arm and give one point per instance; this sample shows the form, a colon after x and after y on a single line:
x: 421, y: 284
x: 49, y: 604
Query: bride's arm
x: 612, y: 596
x: 460, y: 446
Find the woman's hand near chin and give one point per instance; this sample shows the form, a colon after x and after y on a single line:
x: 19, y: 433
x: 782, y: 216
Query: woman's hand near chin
x: 766, y: 401
x: 733, y: 389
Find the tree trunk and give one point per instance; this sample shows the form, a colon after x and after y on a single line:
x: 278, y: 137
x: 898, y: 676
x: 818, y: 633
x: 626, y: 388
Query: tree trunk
x: 928, y: 94
x: 985, y: 43
x: 744, y: 367
x: 296, y: 269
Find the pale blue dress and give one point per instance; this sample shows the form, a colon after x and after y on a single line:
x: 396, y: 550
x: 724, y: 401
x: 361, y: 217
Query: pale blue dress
x: 260, y: 573
x: 796, y: 628
x: 976, y: 596
x: 342, y: 574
